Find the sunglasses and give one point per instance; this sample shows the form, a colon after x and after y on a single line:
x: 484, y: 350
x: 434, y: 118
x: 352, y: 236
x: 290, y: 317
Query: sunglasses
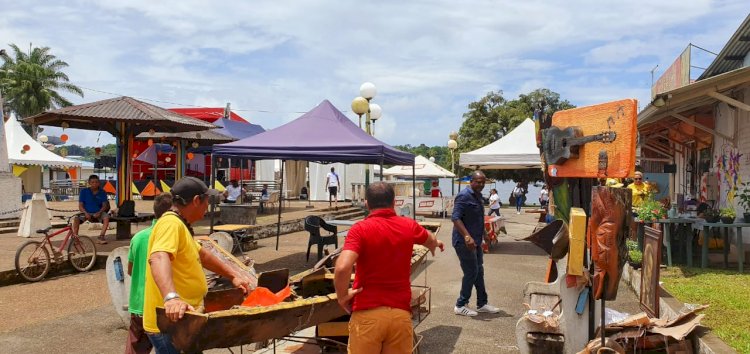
x: 638, y: 179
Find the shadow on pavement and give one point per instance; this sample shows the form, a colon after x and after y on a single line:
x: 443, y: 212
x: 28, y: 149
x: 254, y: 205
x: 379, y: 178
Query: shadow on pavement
x: 519, y: 248
x: 295, y: 262
x: 491, y: 316
x: 442, y: 339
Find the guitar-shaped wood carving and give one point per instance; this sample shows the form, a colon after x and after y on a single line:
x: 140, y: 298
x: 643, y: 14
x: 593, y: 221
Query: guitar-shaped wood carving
x: 561, y: 145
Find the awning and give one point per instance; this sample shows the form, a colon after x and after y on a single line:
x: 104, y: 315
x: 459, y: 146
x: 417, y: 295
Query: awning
x: 687, y: 113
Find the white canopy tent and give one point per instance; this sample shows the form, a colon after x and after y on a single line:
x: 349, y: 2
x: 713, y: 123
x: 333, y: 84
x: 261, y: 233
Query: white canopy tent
x: 424, y: 169
x: 515, y: 150
x: 34, y: 159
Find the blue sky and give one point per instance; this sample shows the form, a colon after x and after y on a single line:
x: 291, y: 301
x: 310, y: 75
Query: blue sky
x: 429, y: 59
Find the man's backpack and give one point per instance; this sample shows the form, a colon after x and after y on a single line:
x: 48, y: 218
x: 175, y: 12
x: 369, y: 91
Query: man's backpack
x: 126, y: 209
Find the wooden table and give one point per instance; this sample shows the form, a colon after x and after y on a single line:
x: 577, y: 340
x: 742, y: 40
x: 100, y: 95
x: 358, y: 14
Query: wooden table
x: 685, y: 224
x: 740, y: 249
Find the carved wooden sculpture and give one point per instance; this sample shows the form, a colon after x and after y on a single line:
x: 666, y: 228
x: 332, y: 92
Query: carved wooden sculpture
x: 607, y: 232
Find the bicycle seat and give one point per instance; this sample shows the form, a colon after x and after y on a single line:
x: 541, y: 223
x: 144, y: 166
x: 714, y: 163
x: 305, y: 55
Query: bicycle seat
x: 44, y: 231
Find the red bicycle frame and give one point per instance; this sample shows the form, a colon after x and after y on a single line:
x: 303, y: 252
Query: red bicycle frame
x: 48, y: 238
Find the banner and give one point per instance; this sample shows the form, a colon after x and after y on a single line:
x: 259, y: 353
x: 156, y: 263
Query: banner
x: 677, y: 75
x: 18, y: 170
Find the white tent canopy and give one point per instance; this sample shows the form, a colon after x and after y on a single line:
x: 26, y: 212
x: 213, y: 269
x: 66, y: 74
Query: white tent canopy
x: 515, y: 150
x: 37, y: 155
x: 424, y: 169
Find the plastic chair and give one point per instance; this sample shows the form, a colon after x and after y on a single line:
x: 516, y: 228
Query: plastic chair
x: 313, y: 224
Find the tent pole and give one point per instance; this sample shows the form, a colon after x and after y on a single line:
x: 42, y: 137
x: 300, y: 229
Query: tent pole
x: 278, y: 222
x: 413, y: 188
x: 213, y: 184
x: 309, y: 192
x: 381, y: 169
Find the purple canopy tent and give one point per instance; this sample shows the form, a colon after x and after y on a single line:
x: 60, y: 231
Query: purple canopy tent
x: 324, y: 135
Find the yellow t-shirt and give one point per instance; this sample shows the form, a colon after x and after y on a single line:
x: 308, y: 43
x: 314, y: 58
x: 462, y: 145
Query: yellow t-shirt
x: 639, y: 193
x: 172, y: 236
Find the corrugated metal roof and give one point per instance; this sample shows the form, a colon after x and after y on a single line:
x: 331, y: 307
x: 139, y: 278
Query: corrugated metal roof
x: 101, y: 115
x: 731, y: 56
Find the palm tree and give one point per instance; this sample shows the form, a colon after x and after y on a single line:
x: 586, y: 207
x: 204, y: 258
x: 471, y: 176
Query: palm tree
x: 32, y: 83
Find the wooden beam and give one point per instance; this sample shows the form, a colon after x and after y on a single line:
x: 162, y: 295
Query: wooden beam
x: 700, y: 126
x: 694, y: 137
x: 649, y: 147
x: 657, y: 159
x: 743, y: 106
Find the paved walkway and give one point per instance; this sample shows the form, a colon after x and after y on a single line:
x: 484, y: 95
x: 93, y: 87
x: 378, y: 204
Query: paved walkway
x: 10, y: 242
x: 73, y: 314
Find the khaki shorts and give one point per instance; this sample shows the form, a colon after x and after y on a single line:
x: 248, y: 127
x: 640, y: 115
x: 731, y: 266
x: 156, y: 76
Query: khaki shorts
x: 381, y: 330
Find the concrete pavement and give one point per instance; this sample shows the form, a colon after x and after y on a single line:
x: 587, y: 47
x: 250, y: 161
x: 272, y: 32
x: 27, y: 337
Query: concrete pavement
x: 73, y: 314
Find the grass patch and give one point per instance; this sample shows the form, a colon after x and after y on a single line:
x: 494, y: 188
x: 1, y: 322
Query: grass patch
x: 727, y: 294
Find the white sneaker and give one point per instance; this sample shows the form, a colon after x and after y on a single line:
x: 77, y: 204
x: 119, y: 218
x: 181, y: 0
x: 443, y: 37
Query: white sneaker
x: 518, y: 212
x: 487, y: 308
x: 465, y: 311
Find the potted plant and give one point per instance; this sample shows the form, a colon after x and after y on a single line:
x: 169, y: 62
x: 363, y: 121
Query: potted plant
x: 711, y: 215
x: 745, y: 201
x: 727, y: 215
x: 635, y: 257
x: 651, y: 211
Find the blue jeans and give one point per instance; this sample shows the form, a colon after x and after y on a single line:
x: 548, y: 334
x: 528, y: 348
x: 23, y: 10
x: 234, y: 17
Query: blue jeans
x: 473, y: 268
x: 162, y: 343
x: 519, y: 203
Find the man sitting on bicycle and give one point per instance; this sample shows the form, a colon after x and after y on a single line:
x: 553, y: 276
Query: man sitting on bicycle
x: 94, y: 205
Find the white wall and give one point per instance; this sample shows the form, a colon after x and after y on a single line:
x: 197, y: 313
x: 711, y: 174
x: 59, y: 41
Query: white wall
x: 348, y: 174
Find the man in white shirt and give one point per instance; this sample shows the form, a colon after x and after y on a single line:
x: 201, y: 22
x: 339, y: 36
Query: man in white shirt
x: 332, y: 182
x: 233, y: 192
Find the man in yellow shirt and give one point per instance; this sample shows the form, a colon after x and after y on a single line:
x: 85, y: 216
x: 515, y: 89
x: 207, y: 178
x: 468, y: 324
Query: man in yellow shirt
x: 174, y: 273
x: 640, y: 190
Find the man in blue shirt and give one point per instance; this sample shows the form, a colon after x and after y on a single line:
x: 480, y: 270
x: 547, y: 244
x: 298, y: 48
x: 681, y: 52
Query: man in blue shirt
x: 94, y: 205
x: 468, y: 232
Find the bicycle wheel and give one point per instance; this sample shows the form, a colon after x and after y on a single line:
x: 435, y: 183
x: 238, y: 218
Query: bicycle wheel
x: 82, y: 253
x: 32, y: 261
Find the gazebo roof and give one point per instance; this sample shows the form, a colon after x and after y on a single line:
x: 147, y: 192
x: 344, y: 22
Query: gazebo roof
x: 105, y: 114
x: 210, y: 136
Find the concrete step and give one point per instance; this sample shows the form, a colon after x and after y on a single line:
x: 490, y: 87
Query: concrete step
x: 349, y: 216
x: 10, y: 223
x: 8, y: 230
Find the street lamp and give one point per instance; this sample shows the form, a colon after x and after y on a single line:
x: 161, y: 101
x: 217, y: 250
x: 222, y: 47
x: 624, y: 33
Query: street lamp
x: 361, y: 105
x: 375, y: 113
x: 452, y: 145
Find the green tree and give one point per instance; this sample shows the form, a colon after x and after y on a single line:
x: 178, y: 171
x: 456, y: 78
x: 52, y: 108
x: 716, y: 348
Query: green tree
x: 33, y: 82
x: 493, y: 116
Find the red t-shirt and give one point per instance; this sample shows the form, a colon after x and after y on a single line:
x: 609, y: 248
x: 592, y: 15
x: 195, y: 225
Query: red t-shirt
x: 383, y: 243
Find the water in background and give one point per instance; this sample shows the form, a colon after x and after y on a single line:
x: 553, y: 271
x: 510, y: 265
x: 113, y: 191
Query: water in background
x: 503, y: 190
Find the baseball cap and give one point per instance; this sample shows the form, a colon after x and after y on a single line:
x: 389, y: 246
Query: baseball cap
x: 188, y: 187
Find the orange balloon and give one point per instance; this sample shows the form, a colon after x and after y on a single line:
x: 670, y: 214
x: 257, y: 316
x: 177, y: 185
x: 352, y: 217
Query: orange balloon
x: 190, y: 155
x: 135, y: 155
x: 64, y: 138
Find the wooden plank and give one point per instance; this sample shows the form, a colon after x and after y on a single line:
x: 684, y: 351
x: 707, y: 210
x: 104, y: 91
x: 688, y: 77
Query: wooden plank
x: 743, y: 106
x: 700, y: 126
x: 618, y: 116
x: 577, y: 230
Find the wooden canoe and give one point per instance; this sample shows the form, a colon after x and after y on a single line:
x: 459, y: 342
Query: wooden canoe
x: 236, y: 325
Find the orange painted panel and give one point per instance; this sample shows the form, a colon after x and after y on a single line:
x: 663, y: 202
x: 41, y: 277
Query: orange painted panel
x: 617, y: 116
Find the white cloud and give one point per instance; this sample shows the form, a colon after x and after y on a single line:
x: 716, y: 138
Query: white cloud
x: 274, y: 59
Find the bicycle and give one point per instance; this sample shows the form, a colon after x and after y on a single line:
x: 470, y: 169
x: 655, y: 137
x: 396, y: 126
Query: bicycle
x: 33, y: 260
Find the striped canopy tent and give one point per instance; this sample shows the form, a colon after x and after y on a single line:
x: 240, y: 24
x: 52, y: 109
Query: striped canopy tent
x: 124, y: 118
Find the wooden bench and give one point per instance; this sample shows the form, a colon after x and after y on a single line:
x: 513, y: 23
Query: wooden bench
x: 124, y: 224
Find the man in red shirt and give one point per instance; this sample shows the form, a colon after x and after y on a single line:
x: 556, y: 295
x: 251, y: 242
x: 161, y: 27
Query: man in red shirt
x: 379, y: 300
